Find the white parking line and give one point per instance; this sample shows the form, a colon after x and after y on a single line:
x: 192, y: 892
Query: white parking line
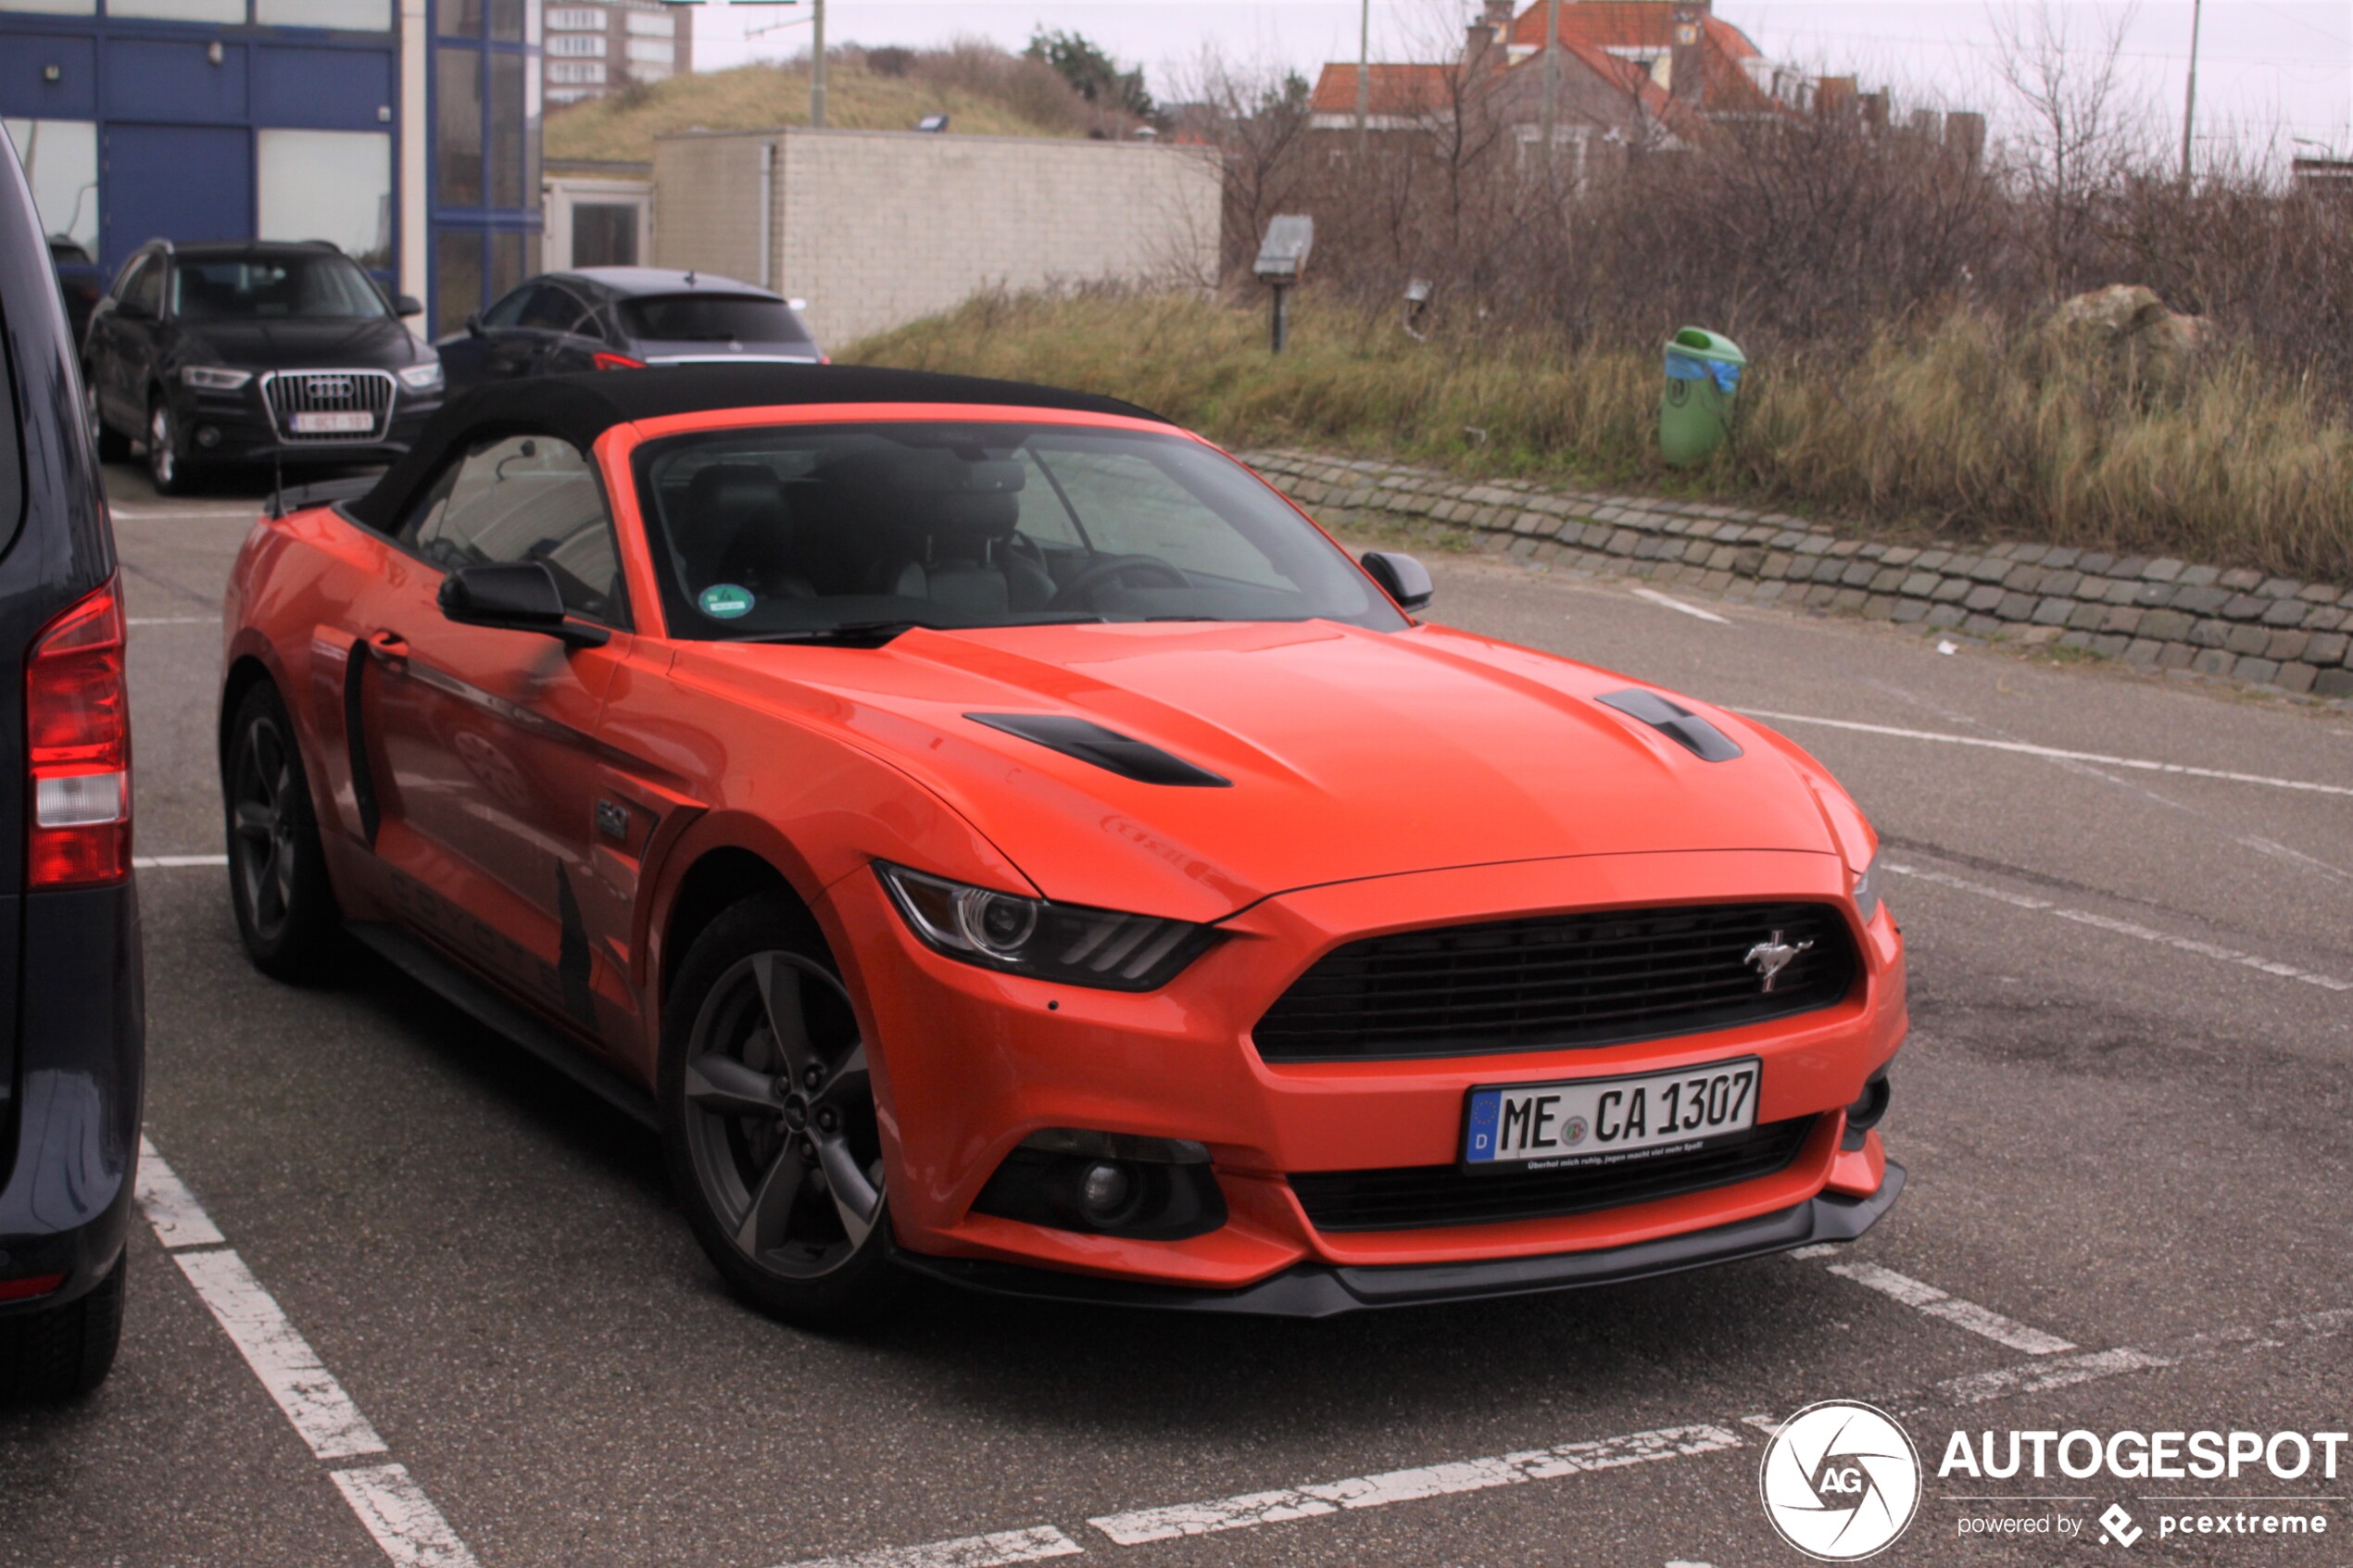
x: 1926, y: 1298
x: 2024, y: 750
x: 387, y: 1500
x: 176, y: 862
x: 2126, y: 928
x: 1655, y: 596
x: 1253, y: 1508
x: 1033, y: 1544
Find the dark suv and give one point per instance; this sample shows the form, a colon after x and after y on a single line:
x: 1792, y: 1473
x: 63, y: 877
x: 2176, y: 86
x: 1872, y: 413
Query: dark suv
x: 73, y: 1018
x: 254, y: 352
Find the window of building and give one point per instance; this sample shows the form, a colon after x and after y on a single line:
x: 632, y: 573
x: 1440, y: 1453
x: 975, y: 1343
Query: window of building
x: 60, y: 158
x: 576, y: 73
x: 457, y: 274
x: 510, y: 136
x: 653, y: 51
x: 180, y: 10
x: 576, y: 46
x: 500, y: 20
x: 332, y: 185
x: 457, y: 125
x: 351, y: 15
x: 652, y: 24
x: 52, y: 8
x: 576, y: 18
x: 604, y: 235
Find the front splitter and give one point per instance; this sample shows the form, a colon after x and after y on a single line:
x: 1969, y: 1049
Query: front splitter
x: 1323, y: 1291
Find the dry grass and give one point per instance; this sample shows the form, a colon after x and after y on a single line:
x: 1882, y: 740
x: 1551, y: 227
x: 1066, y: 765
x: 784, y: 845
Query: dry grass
x: 1965, y: 429
x: 990, y: 97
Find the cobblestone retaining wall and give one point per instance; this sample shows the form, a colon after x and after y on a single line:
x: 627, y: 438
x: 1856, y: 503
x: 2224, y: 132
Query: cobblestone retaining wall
x: 2156, y: 612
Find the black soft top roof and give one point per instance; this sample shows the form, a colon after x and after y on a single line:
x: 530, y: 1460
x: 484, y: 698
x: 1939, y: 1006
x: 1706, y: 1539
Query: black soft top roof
x: 579, y: 409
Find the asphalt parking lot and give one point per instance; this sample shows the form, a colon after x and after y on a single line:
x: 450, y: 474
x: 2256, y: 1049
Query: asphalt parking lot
x: 468, y: 1327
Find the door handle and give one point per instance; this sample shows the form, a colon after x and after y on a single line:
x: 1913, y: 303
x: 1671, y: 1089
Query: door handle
x: 390, y: 646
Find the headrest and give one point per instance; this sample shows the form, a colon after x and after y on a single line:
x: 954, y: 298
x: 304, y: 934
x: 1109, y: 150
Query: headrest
x: 928, y: 493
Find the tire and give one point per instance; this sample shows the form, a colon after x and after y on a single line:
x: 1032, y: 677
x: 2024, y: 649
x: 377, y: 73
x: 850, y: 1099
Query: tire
x: 166, y: 464
x: 768, y: 1121
x: 113, y: 446
x: 276, y: 874
x: 67, y: 1351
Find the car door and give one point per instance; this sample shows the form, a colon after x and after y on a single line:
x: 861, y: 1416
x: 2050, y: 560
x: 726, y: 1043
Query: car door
x: 495, y: 345
x: 478, y: 740
x: 124, y: 317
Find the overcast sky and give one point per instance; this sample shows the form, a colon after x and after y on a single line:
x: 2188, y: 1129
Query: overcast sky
x: 2270, y: 71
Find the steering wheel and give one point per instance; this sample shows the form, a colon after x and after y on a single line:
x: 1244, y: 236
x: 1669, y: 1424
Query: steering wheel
x: 1080, y: 590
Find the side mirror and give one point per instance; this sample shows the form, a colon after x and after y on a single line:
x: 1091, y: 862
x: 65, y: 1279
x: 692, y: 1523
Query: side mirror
x: 473, y: 323
x: 514, y: 596
x: 1402, y: 578
x: 406, y: 305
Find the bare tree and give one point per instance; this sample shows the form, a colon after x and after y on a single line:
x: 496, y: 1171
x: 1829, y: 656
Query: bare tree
x: 2082, y: 127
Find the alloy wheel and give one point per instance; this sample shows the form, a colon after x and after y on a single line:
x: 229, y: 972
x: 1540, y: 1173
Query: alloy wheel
x: 780, y: 1116
x: 162, y: 461
x: 263, y: 842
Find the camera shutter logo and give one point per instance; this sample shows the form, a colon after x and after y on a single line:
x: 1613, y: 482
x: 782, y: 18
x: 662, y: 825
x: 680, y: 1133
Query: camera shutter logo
x: 1840, y: 1481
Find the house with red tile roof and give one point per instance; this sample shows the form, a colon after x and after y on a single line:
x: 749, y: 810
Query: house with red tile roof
x: 1633, y: 73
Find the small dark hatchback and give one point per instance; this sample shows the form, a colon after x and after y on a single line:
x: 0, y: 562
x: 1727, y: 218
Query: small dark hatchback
x: 625, y: 319
x: 72, y: 1015
x: 254, y: 352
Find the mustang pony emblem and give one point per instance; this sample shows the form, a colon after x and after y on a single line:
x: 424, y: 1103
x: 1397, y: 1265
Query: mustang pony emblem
x: 1769, y: 959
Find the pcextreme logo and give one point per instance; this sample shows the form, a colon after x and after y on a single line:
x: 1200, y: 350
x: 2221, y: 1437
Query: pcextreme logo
x: 1840, y: 1481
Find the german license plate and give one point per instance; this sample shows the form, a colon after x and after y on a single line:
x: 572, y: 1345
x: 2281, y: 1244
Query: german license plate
x: 361, y: 423
x: 1601, y: 1121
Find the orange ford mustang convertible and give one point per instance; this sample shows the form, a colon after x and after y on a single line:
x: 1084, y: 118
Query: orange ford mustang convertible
x: 992, y: 833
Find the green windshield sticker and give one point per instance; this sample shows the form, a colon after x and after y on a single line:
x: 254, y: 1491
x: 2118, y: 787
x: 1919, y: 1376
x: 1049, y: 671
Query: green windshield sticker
x: 724, y: 601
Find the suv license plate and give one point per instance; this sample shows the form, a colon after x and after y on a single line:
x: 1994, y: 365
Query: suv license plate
x: 1598, y: 1121
x: 335, y: 424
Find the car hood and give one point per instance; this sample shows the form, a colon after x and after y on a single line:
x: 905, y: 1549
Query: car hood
x: 1350, y: 754
x: 352, y: 343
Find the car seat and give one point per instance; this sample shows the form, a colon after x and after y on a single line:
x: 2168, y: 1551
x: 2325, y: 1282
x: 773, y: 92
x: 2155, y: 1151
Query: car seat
x: 740, y: 530
x: 949, y: 525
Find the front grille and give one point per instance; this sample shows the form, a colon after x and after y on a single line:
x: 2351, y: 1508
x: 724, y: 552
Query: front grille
x: 289, y: 393
x: 1417, y: 1197
x: 1581, y: 980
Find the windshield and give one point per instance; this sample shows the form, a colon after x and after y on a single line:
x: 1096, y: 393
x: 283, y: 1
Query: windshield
x: 703, y: 317
x: 272, y: 288
x: 798, y: 530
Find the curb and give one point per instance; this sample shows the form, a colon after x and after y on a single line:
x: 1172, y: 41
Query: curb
x: 2158, y: 613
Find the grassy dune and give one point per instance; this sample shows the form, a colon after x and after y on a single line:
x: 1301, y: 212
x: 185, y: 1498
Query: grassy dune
x: 758, y: 98
x: 1961, y: 429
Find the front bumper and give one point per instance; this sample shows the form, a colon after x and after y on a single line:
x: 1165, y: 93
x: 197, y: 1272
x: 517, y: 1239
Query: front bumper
x: 971, y: 1062
x: 241, y: 431
x: 1321, y: 1290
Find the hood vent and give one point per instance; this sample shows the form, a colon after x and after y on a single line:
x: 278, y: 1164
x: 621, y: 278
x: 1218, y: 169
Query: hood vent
x: 1108, y: 749
x: 1678, y: 723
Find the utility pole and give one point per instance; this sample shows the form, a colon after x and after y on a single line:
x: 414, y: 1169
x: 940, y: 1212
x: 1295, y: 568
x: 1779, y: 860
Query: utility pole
x: 1551, y: 75
x: 2189, y: 98
x: 817, y: 64
x: 1364, y: 73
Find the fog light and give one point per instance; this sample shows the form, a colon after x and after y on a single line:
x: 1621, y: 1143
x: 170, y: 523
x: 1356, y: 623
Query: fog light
x: 207, y: 435
x: 1866, y: 1112
x: 26, y: 1290
x: 1103, y: 1191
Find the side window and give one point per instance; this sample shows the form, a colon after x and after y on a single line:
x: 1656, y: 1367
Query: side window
x: 509, y: 312
x: 141, y: 291
x: 552, y: 309
x: 527, y: 498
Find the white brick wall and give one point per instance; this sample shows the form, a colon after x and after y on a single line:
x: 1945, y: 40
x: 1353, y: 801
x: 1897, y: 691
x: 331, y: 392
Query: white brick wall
x: 879, y: 228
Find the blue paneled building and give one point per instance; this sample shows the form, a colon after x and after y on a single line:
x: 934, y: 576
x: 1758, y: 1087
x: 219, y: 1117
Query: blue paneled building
x: 406, y: 131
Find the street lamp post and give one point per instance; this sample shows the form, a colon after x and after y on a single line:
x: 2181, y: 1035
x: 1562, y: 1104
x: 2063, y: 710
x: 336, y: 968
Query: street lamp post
x: 817, y: 64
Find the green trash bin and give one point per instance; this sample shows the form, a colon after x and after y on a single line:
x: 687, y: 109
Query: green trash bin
x: 1696, y: 412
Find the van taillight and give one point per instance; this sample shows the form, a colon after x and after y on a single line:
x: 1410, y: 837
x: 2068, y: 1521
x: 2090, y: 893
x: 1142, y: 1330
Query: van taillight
x: 78, y: 747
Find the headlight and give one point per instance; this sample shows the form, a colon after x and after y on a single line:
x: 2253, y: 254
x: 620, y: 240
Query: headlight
x: 423, y: 378
x: 1866, y: 891
x: 1067, y: 942
x: 212, y: 378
